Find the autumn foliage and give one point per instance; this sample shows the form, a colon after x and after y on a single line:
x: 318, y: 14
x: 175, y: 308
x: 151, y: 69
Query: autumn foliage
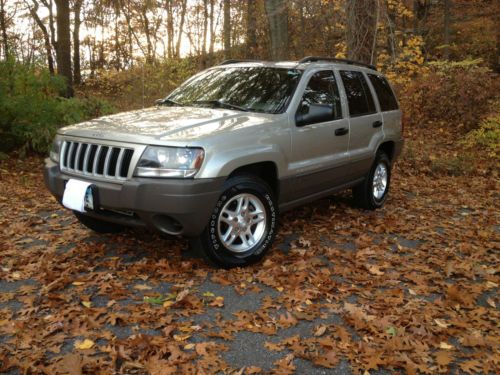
x: 451, y: 95
x: 410, y: 288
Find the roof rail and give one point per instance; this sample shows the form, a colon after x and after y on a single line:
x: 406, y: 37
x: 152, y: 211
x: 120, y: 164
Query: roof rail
x: 333, y: 59
x: 234, y: 61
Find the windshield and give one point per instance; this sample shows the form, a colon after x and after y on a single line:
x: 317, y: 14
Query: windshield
x: 256, y: 89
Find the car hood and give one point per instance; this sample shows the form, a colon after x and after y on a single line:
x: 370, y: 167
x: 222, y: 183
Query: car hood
x: 178, y: 124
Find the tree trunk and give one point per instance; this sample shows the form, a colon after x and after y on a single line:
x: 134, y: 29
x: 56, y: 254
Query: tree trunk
x: 147, y: 32
x: 302, y: 28
x: 63, y: 51
x: 227, y: 29
x: 49, y: 5
x: 420, y: 12
x: 277, y: 16
x: 3, y: 27
x: 77, y: 74
x: 170, y: 29
x: 181, y: 29
x: 211, y: 43
x: 251, y: 28
x: 118, y: 52
x: 205, y: 32
x: 46, y: 36
x: 361, y: 29
x: 447, y: 25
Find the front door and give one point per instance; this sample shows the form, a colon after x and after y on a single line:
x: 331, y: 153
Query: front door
x: 320, y: 137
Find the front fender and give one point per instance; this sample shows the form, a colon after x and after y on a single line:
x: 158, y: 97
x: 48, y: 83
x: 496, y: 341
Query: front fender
x: 223, y: 163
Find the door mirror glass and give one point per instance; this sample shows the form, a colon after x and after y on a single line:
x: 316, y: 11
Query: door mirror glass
x: 314, y: 113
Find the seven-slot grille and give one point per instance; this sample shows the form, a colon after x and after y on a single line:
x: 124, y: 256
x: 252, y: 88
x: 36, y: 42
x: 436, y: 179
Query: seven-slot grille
x: 96, y: 160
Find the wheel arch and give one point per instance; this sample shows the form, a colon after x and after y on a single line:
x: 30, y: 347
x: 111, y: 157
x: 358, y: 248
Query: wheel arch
x: 266, y: 170
x: 388, y: 147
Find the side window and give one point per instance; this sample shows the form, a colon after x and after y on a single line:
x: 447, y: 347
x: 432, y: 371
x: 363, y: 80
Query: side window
x: 321, y: 99
x: 384, y: 92
x: 358, y: 93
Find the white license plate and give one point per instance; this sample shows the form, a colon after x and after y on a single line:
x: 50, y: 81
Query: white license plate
x: 78, y: 196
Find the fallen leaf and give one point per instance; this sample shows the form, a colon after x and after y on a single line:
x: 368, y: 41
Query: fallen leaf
x: 320, y: 331
x: 273, y: 347
x: 142, y: 287
x: 441, y: 323
x: 375, y: 270
x: 217, y: 302
x: 328, y: 360
x: 181, y: 337
x: 391, y: 331
x: 446, y: 346
x: 84, y: 345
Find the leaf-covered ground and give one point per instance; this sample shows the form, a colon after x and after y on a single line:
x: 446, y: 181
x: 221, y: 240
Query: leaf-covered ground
x: 412, y: 287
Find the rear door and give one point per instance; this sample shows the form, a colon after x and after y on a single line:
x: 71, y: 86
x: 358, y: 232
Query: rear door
x: 388, y: 106
x: 319, y: 148
x: 366, y: 123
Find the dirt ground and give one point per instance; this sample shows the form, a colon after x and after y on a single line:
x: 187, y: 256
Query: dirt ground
x: 412, y: 287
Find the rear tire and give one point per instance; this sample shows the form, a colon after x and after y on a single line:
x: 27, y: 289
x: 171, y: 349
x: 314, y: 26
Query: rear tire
x: 373, y: 191
x: 243, y: 223
x: 97, y: 225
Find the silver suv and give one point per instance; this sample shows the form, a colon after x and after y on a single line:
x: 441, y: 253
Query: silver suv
x: 218, y: 158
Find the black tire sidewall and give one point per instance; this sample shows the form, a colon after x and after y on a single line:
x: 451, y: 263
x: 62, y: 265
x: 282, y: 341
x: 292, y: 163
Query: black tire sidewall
x: 213, y: 246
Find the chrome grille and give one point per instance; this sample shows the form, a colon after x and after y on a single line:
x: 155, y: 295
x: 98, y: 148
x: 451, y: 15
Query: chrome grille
x: 97, y: 160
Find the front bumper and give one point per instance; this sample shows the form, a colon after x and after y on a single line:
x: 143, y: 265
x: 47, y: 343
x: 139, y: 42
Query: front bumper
x: 173, y: 206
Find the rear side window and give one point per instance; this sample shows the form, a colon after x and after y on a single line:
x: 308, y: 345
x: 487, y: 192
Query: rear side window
x: 384, y: 92
x: 358, y: 93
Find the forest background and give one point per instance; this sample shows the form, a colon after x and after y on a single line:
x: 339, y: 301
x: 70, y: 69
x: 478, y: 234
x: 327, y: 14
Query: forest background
x: 67, y: 61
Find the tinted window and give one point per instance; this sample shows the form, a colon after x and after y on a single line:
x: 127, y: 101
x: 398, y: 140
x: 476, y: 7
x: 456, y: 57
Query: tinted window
x: 322, y: 89
x: 258, y: 89
x: 358, y: 93
x: 384, y: 92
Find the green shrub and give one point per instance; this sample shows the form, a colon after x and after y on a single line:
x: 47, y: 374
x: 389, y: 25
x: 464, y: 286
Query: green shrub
x: 31, y: 109
x: 486, y: 137
x: 455, y: 95
x: 453, y: 165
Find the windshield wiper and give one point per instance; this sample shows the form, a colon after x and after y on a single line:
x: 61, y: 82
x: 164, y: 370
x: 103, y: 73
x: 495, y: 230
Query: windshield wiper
x: 220, y: 104
x: 167, y: 101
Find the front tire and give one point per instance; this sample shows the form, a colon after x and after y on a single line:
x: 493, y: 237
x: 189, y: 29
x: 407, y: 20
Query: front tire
x: 97, y: 225
x: 372, y: 193
x: 243, y: 223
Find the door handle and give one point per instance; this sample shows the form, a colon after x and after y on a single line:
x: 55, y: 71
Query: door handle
x: 341, y: 131
x: 377, y: 124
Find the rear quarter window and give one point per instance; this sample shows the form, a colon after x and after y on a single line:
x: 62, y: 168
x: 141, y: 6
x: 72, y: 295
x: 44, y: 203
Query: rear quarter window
x: 358, y: 93
x: 384, y: 92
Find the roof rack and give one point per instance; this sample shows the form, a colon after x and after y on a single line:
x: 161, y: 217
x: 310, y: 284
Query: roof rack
x: 333, y: 59
x: 234, y: 61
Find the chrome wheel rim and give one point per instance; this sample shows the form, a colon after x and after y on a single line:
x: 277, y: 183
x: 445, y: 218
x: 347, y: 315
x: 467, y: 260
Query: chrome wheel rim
x: 242, y: 223
x: 380, y: 178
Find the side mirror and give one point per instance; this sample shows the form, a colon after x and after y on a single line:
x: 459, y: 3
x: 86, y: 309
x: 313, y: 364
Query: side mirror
x: 159, y: 101
x: 313, y: 113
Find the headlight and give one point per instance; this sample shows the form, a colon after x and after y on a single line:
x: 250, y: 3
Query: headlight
x: 169, y: 162
x: 56, y: 148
